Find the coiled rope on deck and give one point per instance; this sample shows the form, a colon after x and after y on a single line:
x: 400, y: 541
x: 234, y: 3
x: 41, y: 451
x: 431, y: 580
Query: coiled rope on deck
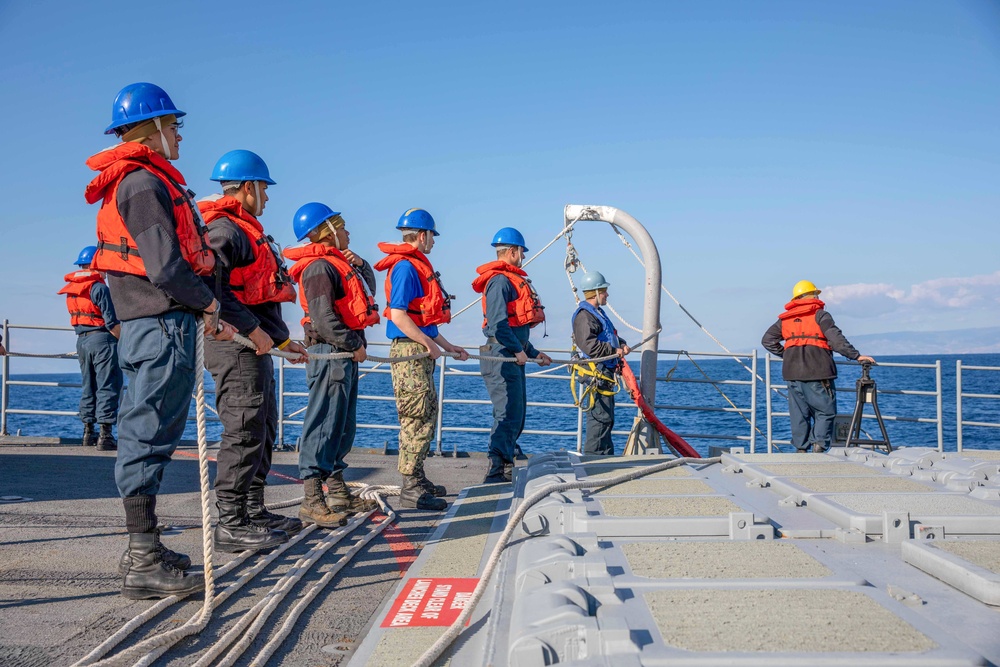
x: 436, y: 650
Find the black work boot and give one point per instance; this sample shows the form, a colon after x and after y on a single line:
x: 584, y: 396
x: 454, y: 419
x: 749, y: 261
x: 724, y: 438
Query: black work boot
x: 497, y: 472
x: 147, y: 576
x: 340, y: 499
x: 171, y: 558
x: 88, y: 435
x: 413, y: 496
x: 314, y: 508
x: 258, y: 513
x: 106, y: 442
x: 235, y: 532
x: 430, y: 487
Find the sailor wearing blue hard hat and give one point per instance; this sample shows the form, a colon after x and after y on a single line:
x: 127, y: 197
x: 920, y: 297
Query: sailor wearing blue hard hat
x: 92, y: 316
x: 254, y: 284
x: 595, y: 336
x: 511, y: 308
x: 416, y: 304
x: 153, y: 249
x: 336, y: 288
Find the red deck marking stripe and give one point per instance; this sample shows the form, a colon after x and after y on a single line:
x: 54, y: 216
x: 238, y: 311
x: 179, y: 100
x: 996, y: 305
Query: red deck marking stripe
x: 400, y: 545
x: 404, y: 550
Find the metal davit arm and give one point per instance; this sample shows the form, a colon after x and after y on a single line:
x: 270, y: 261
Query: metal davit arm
x: 651, y: 302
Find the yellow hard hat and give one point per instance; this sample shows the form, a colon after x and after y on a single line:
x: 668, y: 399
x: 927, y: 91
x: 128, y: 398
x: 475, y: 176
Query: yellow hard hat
x: 804, y: 287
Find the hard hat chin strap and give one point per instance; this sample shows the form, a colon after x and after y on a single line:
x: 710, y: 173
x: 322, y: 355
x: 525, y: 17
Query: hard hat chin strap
x: 336, y: 236
x: 258, y: 205
x: 163, y: 139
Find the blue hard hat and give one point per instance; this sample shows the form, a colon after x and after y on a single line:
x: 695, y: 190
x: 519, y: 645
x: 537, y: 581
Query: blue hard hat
x: 86, y: 255
x: 594, y: 280
x: 418, y: 219
x: 509, y: 236
x: 309, y: 217
x: 240, y: 165
x: 138, y: 102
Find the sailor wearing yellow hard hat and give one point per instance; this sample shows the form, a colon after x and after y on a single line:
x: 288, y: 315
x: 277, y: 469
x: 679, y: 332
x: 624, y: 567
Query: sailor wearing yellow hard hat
x: 805, y: 337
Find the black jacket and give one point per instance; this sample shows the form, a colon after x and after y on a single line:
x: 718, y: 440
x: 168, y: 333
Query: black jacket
x: 234, y: 250
x: 169, y: 284
x: 808, y: 362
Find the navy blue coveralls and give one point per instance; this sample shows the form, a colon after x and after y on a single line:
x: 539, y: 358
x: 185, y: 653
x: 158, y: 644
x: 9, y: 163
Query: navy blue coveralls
x: 505, y: 382
x: 596, y: 336
x: 97, y: 351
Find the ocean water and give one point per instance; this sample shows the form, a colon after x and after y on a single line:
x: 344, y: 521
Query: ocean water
x: 554, y: 388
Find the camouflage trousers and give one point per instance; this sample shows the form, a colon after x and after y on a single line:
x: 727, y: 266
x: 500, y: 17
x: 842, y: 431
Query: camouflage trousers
x: 416, y: 404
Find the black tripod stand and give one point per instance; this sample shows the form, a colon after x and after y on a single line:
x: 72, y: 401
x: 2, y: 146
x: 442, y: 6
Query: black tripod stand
x: 867, y: 393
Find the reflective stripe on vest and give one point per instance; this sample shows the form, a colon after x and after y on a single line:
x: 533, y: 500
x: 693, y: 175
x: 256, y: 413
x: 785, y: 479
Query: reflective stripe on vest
x: 799, y: 326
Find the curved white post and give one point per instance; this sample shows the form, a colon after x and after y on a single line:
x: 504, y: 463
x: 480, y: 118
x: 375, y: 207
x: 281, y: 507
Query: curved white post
x: 651, y: 303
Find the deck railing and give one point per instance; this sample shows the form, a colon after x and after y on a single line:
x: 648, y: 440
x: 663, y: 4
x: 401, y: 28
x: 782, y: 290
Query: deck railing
x: 774, y: 388
x: 960, y: 420
x: 447, y: 373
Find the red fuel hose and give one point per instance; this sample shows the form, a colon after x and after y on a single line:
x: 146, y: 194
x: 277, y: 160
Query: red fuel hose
x: 676, y: 442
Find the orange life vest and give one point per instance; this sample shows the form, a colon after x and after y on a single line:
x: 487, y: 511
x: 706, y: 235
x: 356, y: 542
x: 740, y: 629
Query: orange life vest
x: 799, y: 326
x: 434, y: 307
x: 116, y: 249
x: 357, y: 308
x: 265, y: 279
x: 527, y: 308
x: 82, y: 310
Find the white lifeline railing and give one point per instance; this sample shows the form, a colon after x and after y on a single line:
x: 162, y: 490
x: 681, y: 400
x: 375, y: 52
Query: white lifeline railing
x: 5, y: 408
x: 960, y: 420
x: 937, y: 419
x: 446, y: 370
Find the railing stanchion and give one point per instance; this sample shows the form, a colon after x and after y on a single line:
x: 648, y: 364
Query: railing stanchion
x: 958, y: 405
x: 6, y: 378
x: 753, y: 404
x: 440, y: 415
x: 767, y: 400
x: 940, y: 406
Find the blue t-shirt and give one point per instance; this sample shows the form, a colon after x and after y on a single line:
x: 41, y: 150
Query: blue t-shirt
x: 404, y: 288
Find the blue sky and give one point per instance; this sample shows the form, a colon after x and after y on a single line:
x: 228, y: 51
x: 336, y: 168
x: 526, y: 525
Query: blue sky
x: 854, y: 144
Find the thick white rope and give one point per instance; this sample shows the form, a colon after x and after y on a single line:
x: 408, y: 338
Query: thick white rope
x: 286, y: 628
x: 242, y: 340
x: 454, y: 630
x: 67, y: 355
x: 253, y: 620
x: 199, y: 620
x: 235, y: 586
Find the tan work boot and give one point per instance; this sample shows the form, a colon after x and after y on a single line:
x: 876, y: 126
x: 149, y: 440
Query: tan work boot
x: 340, y: 499
x: 314, y: 508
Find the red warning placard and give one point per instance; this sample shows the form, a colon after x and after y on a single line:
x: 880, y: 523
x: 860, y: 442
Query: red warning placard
x: 424, y: 602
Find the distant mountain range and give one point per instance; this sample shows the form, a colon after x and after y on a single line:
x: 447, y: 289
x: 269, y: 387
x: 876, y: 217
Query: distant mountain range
x: 960, y: 341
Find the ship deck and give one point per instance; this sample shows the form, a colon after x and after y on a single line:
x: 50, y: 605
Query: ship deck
x: 61, y: 541
x: 846, y: 558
